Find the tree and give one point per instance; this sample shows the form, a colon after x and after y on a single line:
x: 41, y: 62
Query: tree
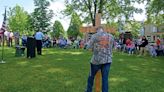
x: 74, y: 28
x: 30, y: 27
x: 18, y: 19
x: 110, y: 9
x: 41, y: 15
x: 155, y: 6
x: 58, y: 30
x: 155, y: 12
x: 134, y: 27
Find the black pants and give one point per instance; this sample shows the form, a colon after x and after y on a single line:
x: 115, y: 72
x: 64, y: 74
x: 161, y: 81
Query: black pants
x: 39, y: 47
x: 31, y: 44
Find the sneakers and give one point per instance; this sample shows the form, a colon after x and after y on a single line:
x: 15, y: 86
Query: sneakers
x: 132, y: 52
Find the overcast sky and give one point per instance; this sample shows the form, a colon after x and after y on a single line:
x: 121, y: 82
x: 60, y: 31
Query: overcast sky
x: 56, y: 6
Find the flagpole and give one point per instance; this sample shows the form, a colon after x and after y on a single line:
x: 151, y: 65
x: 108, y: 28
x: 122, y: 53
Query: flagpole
x: 2, y: 59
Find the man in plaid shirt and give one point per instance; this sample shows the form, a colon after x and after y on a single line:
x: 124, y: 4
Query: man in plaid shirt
x: 101, y: 44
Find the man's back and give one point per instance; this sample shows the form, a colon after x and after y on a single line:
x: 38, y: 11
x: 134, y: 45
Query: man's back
x: 101, y: 43
x: 39, y: 36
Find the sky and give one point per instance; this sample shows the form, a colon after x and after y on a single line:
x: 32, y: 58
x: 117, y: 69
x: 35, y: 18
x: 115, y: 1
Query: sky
x: 56, y: 6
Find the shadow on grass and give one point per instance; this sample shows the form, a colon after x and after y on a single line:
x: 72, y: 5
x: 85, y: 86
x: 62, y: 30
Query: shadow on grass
x: 67, y: 71
x: 56, y: 70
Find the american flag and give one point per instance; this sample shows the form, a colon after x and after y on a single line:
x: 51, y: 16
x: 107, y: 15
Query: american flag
x: 3, y: 28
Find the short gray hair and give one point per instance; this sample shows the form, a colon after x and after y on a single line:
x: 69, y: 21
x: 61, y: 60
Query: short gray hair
x: 99, y: 29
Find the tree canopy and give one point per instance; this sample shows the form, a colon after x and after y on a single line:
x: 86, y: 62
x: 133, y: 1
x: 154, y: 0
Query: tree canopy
x: 18, y: 19
x: 58, y: 29
x: 110, y: 9
x: 74, y: 27
x: 155, y: 12
x: 42, y: 15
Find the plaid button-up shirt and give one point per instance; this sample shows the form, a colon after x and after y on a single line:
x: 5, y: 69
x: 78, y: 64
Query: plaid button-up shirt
x: 101, y: 44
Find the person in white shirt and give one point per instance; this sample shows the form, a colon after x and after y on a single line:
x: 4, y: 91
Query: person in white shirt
x: 39, y: 36
x: 11, y: 35
x: 7, y: 35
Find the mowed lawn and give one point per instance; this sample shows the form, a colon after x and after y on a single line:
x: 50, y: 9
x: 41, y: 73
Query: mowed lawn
x: 64, y: 70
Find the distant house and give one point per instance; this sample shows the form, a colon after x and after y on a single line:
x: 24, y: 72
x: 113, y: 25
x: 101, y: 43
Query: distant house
x: 152, y: 32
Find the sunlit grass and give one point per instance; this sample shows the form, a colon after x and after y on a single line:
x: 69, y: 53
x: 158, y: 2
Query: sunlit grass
x: 65, y: 70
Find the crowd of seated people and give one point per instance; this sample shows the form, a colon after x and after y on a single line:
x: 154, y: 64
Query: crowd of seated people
x: 46, y: 42
x: 130, y: 46
x: 138, y: 46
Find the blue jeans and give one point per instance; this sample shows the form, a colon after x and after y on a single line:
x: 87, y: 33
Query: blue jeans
x: 104, y: 71
x: 130, y: 50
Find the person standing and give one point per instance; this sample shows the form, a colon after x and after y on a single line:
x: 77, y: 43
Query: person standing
x: 16, y: 37
x: 11, y: 35
x: 143, y: 45
x: 101, y: 44
x: 39, y: 37
x: 7, y: 36
x: 158, y: 43
x: 24, y: 40
x: 1, y: 37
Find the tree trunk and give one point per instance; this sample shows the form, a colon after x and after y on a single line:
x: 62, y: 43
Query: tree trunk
x: 90, y: 12
x: 101, y: 6
x: 93, y: 22
x: 95, y: 11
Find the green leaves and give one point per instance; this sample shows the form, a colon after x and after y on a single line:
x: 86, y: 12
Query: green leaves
x: 155, y: 12
x: 58, y: 29
x: 110, y: 9
x: 18, y: 19
x: 156, y: 6
x: 74, y: 28
x: 134, y: 27
x: 42, y: 15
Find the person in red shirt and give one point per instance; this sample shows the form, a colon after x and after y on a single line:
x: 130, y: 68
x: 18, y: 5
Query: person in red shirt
x: 128, y: 41
x: 158, y: 42
x: 130, y: 47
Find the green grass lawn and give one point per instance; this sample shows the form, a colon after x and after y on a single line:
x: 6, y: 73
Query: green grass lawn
x: 66, y: 70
